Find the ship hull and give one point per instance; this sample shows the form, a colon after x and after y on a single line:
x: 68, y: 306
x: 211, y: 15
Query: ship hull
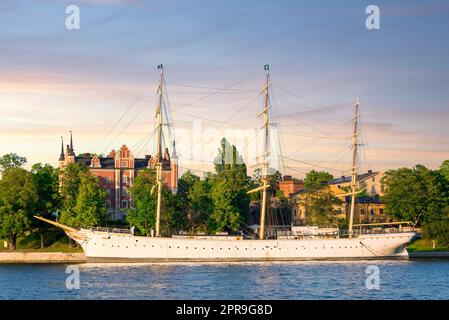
x: 111, y: 247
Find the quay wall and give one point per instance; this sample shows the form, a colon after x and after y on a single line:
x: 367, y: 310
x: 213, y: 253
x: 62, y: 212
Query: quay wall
x: 41, y: 257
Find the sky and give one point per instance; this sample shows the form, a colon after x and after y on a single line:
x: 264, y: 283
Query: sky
x: 100, y: 81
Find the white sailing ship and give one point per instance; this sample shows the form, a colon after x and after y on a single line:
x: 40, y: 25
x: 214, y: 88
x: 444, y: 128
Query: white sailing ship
x: 299, y: 243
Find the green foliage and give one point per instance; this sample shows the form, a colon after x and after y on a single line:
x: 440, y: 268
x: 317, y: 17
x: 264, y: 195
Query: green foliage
x: 47, y: 183
x: 228, y: 187
x: 437, y: 230
x: 70, y: 183
x: 229, y: 163
x: 18, y: 199
x: 417, y: 192
x: 319, y: 208
x: 273, y: 181
x: 90, y: 208
x: 317, y: 179
x: 144, y: 192
x: 82, y: 198
x: 11, y: 160
x: 444, y: 169
x: 226, y: 212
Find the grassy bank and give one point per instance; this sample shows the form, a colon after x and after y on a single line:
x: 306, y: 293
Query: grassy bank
x: 424, y: 245
x: 54, y: 241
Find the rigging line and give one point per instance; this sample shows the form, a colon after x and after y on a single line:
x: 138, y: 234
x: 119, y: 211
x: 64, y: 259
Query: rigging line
x: 308, y: 136
x: 302, y: 171
x: 201, y: 93
x: 313, y: 110
x: 308, y: 100
x: 209, y: 119
x: 318, y: 139
x: 122, y: 116
x: 312, y: 165
x: 316, y: 121
x: 249, y: 139
x: 127, y: 126
x: 212, y: 88
x: 144, y: 138
x: 146, y: 141
x: 215, y: 92
x: 203, y: 205
x: 339, y: 161
x: 224, y: 122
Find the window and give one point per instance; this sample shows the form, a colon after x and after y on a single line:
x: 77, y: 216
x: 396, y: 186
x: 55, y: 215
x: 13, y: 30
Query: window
x: 108, y: 192
x: 124, y: 204
x: 125, y: 179
x: 381, y: 211
x: 371, y: 211
x: 108, y: 180
x: 108, y: 204
x: 125, y: 191
x: 124, y: 164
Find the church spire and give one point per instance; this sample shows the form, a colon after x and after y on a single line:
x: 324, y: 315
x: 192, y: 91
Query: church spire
x: 62, y: 156
x: 71, y: 151
x: 174, y: 155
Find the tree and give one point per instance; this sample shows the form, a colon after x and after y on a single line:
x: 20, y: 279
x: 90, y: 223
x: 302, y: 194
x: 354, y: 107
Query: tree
x: 11, y: 160
x: 317, y: 179
x: 82, y: 198
x: 70, y: 183
x: 18, y: 198
x: 226, y: 214
x: 229, y: 163
x: 319, y: 207
x: 444, y: 169
x: 90, y: 208
x: 144, y: 192
x: 47, y: 183
x: 194, y: 201
x: 229, y: 184
x: 413, y: 193
x: 200, y: 204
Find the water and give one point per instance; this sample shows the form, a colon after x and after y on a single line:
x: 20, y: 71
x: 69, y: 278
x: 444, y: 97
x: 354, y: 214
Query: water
x: 426, y: 279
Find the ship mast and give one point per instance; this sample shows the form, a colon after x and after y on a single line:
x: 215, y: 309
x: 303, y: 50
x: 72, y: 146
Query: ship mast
x: 354, y: 169
x: 266, y: 151
x: 159, y: 151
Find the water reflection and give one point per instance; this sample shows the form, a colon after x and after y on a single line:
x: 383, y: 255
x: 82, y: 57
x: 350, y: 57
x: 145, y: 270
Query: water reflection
x: 276, y: 280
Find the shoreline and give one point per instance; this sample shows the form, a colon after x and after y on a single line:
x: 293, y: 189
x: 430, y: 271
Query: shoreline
x: 78, y: 258
x: 41, y: 257
x: 428, y: 255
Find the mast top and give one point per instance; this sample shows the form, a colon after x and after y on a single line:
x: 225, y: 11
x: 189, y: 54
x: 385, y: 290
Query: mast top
x: 266, y: 67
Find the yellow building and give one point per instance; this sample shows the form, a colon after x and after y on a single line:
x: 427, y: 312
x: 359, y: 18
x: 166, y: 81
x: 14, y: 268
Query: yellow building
x: 368, y: 208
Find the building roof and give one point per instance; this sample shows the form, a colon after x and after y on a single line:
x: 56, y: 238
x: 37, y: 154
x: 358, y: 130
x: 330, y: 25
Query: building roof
x: 347, y: 179
x: 109, y: 163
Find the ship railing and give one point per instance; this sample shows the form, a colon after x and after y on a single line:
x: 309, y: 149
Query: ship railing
x: 112, y: 230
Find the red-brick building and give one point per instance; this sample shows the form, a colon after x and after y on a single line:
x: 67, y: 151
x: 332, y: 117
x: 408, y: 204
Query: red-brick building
x: 117, y: 172
x: 289, y: 185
